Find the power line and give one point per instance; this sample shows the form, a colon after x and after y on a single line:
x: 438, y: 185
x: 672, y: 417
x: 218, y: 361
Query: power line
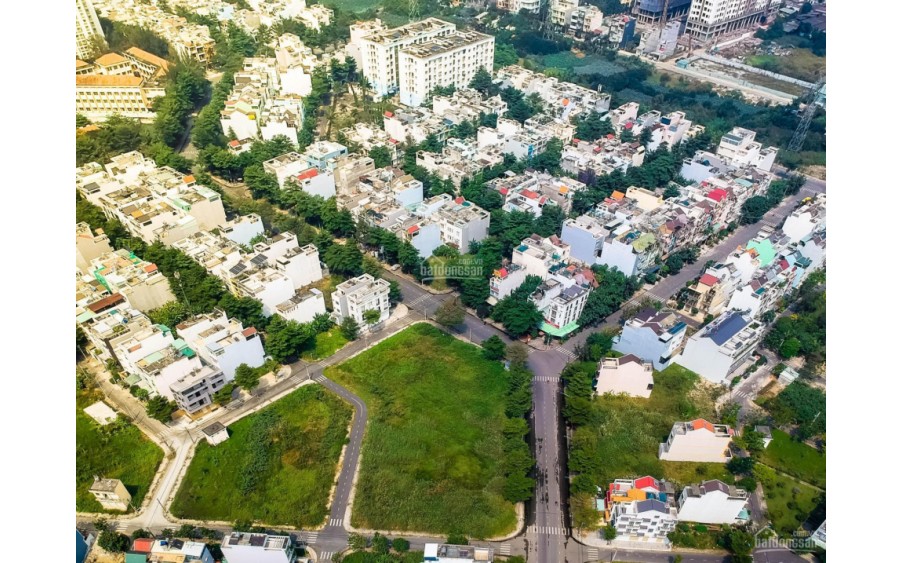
x: 796, y: 142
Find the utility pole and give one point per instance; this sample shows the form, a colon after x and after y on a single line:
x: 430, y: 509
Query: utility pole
x: 796, y: 143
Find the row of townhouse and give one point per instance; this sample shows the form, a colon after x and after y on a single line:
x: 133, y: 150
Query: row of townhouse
x: 190, y: 41
x: 415, y: 58
x: 311, y: 171
x: 251, y: 15
x: 264, y: 103
x: 412, y: 125
x: 531, y: 191
x: 460, y: 159
x: 391, y: 200
x: 644, y: 511
x: 563, y: 99
x: 592, y: 159
x: 237, y: 547
x: 125, y: 84
x: 153, y: 203
x: 525, y: 141
x: 572, y: 17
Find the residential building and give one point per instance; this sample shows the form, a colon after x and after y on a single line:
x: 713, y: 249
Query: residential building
x: 195, y: 390
x: 649, y: 12
x: 563, y: 99
x: 739, y: 149
x: 712, y: 502
x: 504, y: 281
x: 98, y: 96
x: 720, y: 347
x: 660, y: 42
x: 380, y: 49
x: 366, y: 137
x: 444, y: 553
x: 245, y: 547
x: 89, y: 246
x: 353, y: 297
x: 243, y: 229
x: 586, y: 238
x: 215, y: 433
x: 448, y: 60
x: 628, y: 374
x: 539, y: 255
x: 261, y: 105
x: 461, y: 223
x: 300, y: 264
x: 88, y: 33
x: 698, y: 440
x: 810, y: 217
x: 592, y: 159
x: 413, y: 125
x: 324, y: 155
x: 466, y: 104
x: 765, y: 288
x: 216, y: 254
x: 709, y: 19
x: 359, y: 30
x: 641, y: 510
x: 223, y: 342
x: 515, y: 6
x: 459, y: 160
x: 83, y: 543
x: 111, y: 494
x: 295, y: 64
x: 653, y: 336
x: 349, y: 169
x: 561, y: 305
x: 168, y: 550
x: 145, y: 287
x: 274, y: 290
x: 619, y: 30
x: 819, y: 536
x: 110, y: 325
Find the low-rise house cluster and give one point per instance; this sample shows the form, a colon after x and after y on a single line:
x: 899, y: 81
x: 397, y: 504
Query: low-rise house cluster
x: 311, y: 171
x: 140, y: 282
x: 153, y: 203
x: 256, y: 13
x: 523, y: 141
x: 460, y: 159
x: 466, y: 104
x: 531, y: 191
x: 670, y: 130
x: 412, y: 125
x: 563, y: 99
x: 576, y: 19
x: 600, y: 157
x: 124, y: 84
x: 368, y: 137
x: 168, y: 550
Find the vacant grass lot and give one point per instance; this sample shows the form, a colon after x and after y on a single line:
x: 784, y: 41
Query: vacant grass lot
x: 324, y: 345
x: 353, y: 5
x: 277, y: 466
x: 789, y: 502
x: 117, y: 451
x: 796, y: 458
x: 623, y: 440
x: 683, y: 473
x: 432, y: 456
x: 801, y: 63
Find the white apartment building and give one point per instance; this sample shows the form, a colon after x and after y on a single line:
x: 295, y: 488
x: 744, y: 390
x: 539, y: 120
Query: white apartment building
x: 300, y: 264
x: 740, y: 149
x: 698, y: 440
x: 709, y: 19
x: 653, y: 336
x: 88, y: 32
x: 89, y: 245
x: 275, y: 290
x: 244, y: 547
x: 515, y: 6
x: 379, y: 49
x: 145, y: 287
x: 460, y: 221
x: 359, y: 30
x: 295, y: 63
x: 260, y: 106
x: 223, y: 342
x: 628, y: 375
x: 107, y: 325
x: 561, y: 305
x: 450, y: 60
x: 641, y: 510
x: 195, y: 390
x: 722, y: 346
x: 243, y: 229
x: 538, y: 255
x: 585, y: 235
x: 712, y: 502
x: 353, y: 297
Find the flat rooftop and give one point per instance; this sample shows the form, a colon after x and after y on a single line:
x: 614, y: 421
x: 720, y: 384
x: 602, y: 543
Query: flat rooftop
x: 445, y: 44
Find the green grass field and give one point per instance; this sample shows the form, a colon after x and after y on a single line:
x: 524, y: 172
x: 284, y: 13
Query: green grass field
x: 325, y: 345
x: 117, y: 451
x: 801, y: 63
x: 797, y: 459
x: 277, y: 466
x: 432, y: 455
x: 789, y: 502
x: 683, y: 473
x: 623, y: 439
x: 353, y: 5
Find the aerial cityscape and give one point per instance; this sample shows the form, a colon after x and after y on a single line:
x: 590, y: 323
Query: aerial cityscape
x: 374, y: 281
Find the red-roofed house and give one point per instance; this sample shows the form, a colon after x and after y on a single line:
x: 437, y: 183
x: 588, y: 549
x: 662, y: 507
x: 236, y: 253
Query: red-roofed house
x: 708, y: 279
x: 698, y: 440
x: 717, y: 194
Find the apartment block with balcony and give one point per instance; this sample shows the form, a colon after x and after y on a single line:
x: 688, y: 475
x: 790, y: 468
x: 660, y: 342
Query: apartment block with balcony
x: 560, y: 304
x: 722, y: 346
x: 504, y: 281
x: 353, y: 297
x: 300, y: 264
x: 708, y: 19
x: 654, y: 336
x: 713, y: 502
x: 448, y: 60
x: 88, y: 32
x: 97, y: 97
x: 223, y: 342
x: 698, y: 440
x: 246, y: 547
x: 627, y: 375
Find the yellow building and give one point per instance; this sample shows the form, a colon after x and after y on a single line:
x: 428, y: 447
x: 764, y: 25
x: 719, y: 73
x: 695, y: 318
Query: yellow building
x: 111, y: 494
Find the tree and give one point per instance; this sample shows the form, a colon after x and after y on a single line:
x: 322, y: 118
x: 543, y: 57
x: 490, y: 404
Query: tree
x: 401, y: 545
x: 740, y: 543
x: 457, y: 539
x: 753, y: 209
x: 394, y: 292
x: 790, y: 348
x: 357, y: 541
x: 517, y: 353
x: 160, y: 409
x: 493, y: 348
x: 344, y: 259
x: 671, y: 191
x: 584, y: 515
x: 246, y: 377
x: 609, y: 532
x: 113, y: 541
x: 518, y: 488
x: 450, y: 313
x: 381, y: 156
x: 482, y: 81
x: 371, y: 316
x: 224, y: 395
x: 349, y: 328
x: 380, y: 544
x: 597, y: 345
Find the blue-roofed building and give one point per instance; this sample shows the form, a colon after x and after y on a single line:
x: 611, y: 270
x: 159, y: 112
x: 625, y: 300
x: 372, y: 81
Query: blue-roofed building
x: 82, y: 546
x: 653, y: 336
x: 722, y: 346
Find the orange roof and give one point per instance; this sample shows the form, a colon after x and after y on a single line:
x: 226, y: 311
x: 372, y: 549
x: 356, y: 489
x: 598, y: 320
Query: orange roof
x: 701, y: 423
x: 150, y: 268
x: 81, y: 64
x: 188, y: 179
x: 110, y: 59
x: 147, y: 57
x: 617, y: 195
x: 144, y: 545
x: 100, y: 80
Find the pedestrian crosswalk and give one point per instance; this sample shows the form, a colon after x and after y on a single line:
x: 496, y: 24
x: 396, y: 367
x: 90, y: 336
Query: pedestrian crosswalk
x: 335, y: 521
x: 547, y: 530
x: 592, y: 554
x: 743, y: 395
x: 309, y: 537
x: 505, y: 549
x: 320, y: 379
x: 566, y: 352
x: 547, y: 378
x: 327, y: 556
x: 419, y: 300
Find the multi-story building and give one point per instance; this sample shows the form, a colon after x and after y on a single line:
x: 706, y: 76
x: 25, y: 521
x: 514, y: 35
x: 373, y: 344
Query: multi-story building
x: 98, y: 96
x: 712, y: 502
x: 586, y: 238
x: 808, y: 218
x: 366, y: 136
x: 628, y: 374
x: 244, y: 547
x: 618, y: 30
x: 641, y: 510
x: 261, y: 105
x: 88, y: 33
x: 459, y: 160
x: 561, y: 305
x: 243, y: 229
x: 413, y: 125
x: 215, y: 253
x: 537, y: 255
x: 515, y: 6
x: 352, y: 298
x: 111, y: 493
x: 766, y: 287
x: 466, y: 104
x: 740, y: 149
x: 654, y: 336
x: 380, y: 49
x: 712, y: 291
x: 444, y: 553
x: 461, y: 223
x: 709, y: 19
x: 504, y: 281
x: 722, y: 346
x: 563, y: 99
x: 349, y: 169
x: 660, y: 42
x: 141, y: 282
x: 300, y: 264
x: 448, y: 60
x: 105, y: 327
x: 223, y: 342
x: 169, y: 550
x: 255, y: 278
x: 324, y: 155
x: 89, y: 245
x: 649, y: 12
x: 698, y: 440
